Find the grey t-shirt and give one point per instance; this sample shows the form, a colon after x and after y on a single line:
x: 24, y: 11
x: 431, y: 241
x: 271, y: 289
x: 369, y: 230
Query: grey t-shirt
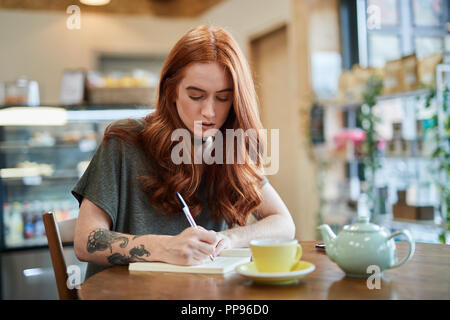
x: 110, y: 183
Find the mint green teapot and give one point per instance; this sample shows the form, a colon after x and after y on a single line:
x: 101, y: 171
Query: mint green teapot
x: 364, y: 244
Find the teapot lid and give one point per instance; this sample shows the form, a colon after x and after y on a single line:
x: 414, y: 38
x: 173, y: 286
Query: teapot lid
x: 362, y: 225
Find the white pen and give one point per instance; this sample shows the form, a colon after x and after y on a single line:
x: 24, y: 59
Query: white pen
x: 188, y: 215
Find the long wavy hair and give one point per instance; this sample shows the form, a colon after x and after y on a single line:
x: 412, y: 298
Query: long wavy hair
x: 234, y: 190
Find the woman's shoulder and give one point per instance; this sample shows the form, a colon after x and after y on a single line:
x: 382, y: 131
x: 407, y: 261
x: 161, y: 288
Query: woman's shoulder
x: 128, y: 124
x: 128, y: 129
x: 124, y: 132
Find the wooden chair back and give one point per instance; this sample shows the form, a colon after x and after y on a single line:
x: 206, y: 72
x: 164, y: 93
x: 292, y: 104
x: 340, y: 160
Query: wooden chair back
x: 57, y: 233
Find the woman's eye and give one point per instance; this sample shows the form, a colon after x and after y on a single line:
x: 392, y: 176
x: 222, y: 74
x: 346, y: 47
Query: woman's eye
x: 222, y: 99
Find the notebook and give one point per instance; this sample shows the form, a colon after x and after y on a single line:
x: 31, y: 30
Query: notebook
x: 226, y: 262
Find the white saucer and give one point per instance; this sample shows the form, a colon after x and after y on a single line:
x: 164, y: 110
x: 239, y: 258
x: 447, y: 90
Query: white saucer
x: 301, y: 269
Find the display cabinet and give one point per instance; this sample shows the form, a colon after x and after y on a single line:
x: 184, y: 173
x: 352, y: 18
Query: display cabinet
x: 43, y: 152
x: 409, y: 181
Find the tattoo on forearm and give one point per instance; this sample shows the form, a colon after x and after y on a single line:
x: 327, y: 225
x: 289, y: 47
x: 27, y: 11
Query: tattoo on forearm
x: 102, y: 239
x: 135, y: 254
x: 118, y: 259
x: 138, y: 252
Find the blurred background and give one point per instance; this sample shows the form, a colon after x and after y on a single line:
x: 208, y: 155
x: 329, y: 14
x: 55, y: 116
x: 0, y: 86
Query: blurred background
x: 357, y: 88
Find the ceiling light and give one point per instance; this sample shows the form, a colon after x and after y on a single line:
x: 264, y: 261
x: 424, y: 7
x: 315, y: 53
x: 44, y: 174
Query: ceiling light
x: 95, y: 2
x: 33, y: 116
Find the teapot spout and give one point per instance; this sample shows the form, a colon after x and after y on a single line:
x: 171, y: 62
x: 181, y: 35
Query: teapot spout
x: 329, y: 237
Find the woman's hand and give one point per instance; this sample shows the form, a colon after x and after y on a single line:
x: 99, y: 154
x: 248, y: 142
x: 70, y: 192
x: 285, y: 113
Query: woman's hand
x: 224, y: 242
x: 190, y: 247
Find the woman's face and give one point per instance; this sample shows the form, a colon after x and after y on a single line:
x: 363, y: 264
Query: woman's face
x: 204, y: 97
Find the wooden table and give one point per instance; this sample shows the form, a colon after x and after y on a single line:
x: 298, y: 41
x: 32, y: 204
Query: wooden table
x: 425, y: 276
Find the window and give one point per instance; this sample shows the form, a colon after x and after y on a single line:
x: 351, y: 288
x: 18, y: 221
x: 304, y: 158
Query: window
x: 428, y: 12
x: 426, y: 46
x: 383, y: 47
x: 388, y: 11
x: 390, y: 29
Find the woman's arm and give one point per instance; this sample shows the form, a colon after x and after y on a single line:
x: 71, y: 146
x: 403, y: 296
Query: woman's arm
x: 275, y: 221
x: 95, y: 242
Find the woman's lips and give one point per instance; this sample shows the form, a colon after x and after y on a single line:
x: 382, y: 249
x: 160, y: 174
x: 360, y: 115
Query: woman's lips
x: 208, y: 125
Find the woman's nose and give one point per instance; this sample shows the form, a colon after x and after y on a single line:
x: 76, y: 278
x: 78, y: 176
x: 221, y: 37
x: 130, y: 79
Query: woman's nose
x: 208, y: 109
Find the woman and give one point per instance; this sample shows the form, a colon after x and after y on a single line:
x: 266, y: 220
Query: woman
x: 128, y: 206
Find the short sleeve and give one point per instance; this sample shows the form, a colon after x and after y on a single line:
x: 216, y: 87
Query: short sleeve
x: 100, y: 182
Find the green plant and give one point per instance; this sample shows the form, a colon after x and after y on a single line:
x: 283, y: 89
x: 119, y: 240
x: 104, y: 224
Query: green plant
x: 323, y: 165
x: 369, y: 121
x: 441, y: 153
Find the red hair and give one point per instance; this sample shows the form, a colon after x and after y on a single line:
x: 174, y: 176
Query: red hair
x: 236, y: 187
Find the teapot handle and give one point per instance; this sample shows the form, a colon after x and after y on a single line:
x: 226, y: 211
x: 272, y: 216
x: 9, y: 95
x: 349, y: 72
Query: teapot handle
x: 411, y: 246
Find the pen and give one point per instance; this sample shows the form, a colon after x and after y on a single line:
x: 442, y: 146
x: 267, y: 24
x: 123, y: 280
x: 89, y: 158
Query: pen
x: 188, y: 215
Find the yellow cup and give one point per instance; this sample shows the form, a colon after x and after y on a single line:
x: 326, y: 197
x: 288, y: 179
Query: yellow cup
x: 275, y: 255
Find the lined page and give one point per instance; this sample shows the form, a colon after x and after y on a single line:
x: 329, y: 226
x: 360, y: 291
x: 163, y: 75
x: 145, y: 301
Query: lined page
x: 218, y: 266
x: 236, y: 252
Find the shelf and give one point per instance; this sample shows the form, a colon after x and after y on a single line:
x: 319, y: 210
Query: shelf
x: 86, y: 107
x: 421, y: 230
x: 27, y: 243
x: 401, y: 95
x: 355, y: 104
x: 429, y: 223
x: 105, y: 115
x: 382, y: 157
x: 422, y: 158
x: 31, y: 244
x: 38, y: 180
x: 17, y: 146
x: 60, y: 116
